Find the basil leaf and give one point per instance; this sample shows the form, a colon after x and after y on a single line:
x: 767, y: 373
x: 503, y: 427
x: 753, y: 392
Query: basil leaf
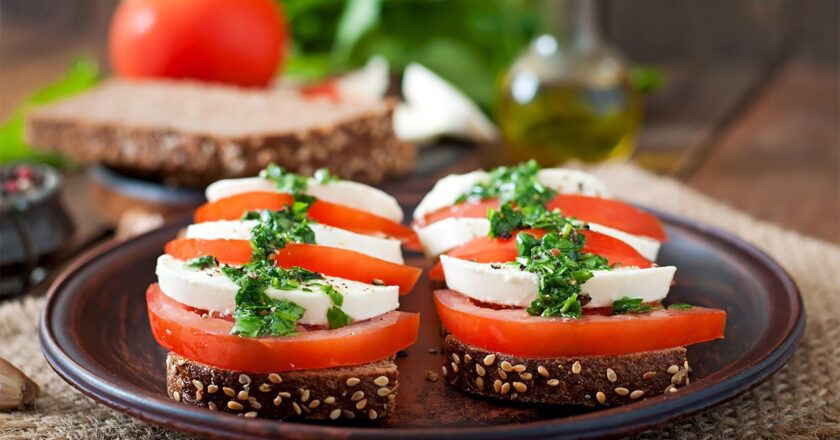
x: 203, y: 262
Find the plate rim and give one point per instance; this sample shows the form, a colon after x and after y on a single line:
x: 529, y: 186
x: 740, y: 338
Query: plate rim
x: 598, y: 424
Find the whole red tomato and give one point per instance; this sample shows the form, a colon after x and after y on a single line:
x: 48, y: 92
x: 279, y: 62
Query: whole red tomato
x: 233, y: 41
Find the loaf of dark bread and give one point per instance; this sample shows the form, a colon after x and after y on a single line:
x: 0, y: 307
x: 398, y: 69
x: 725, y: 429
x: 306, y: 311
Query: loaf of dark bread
x: 192, y: 133
x: 575, y: 380
x: 365, y: 392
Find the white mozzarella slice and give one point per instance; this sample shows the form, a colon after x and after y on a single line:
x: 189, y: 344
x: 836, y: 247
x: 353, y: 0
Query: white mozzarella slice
x: 210, y: 289
x: 342, y: 192
x: 568, y: 181
x: 646, y: 246
x: 510, y: 286
x: 383, y: 248
x: 449, y: 233
x: 565, y: 181
x: 446, y: 191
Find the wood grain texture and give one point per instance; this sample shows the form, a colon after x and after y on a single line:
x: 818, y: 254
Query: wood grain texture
x: 781, y: 160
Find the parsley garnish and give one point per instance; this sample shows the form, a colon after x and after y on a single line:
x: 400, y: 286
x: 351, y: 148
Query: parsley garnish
x: 292, y: 183
x: 562, y: 267
x: 203, y: 262
x: 518, y: 184
x: 276, y: 228
x: 681, y: 306
x: 630, y: 305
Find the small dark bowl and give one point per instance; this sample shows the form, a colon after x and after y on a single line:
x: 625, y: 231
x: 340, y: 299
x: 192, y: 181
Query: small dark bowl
x: 33, y: 222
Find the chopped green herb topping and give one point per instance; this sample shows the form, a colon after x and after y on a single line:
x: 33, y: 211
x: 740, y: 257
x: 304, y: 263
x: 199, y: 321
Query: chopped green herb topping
x: 518, y: 184
x: 203, y: 262
x: 276, y: 228
x: 292, y: 183
x: 562, y: 267
x: 628, y: 305
x: 681, y: 306
x: 508, y: 218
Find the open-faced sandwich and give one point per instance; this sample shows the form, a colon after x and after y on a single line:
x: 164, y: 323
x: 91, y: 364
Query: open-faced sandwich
x: 552, y: 293
x: 280, y: 300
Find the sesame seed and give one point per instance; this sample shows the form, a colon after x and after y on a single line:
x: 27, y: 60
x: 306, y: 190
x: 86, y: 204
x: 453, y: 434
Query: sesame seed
x: 357, y: 395
x: 479, y: 382
x: 198, y: 385
x: 180, y: 383
x: 361, y: 404
x: 602, y: 398
x: 250, y: 414
x: 297, y: 408
x: 506, y: 366
x: 243, y: 395
x: 519, y: 368
x: 229, y: 391
x: 489, y: 359
x: 673, y: 369
x: 456, y: 358
x: 334, y: 414
x: 381, y: 381
x: 432, y: 350
x: 576, y: 367
x: 526, y: 376
x: 176, y: 395
x: 254, y: 403
x: 649, y: 375
x: 212, y: 389
x: 454, y: 367
x: 382, y: 392
x: 265, y: 388
x: 497, y: 385
x: 502, y: 374
x: 467, y: 358
x: 673, y: 389
x: 212, y: 406
x: 587, y: 396
x: 244, y: 379
x: 520, y: 387
x: 314, y: 403
x: 677, y: 378
x: 349, y: 414
x: 277, y: 401
x: 353, y: 381
x: 553, y: 382
x: 275, y: 378
x: 543, y: 371
x: 480, y: 370
x: 636, y: 394
x: 285, y: 394
x: 685, y: 365
x: 391, y: 397
x: 431, y: 376
x: 234, y: 405
x: 372, y: 415
x: 329, y: 400
x: 621, y: 391
x: 505, y: 388
x: 611, y: 375
x: 304, y: 395
x: 199, y: 395
x: 444, y: 370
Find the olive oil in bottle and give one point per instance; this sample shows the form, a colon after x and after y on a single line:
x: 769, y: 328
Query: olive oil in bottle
x: 568, y: 96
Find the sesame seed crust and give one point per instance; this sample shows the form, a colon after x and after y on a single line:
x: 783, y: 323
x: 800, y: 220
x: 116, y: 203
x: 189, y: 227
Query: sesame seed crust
x: 312, y: 394
x: 591, y: 381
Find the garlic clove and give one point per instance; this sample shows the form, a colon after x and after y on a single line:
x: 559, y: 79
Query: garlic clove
x: 16, y: 389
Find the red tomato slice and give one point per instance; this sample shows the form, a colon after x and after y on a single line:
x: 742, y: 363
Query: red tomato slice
x: 327, y: 260
x: 608, y: 212
x: 500, y: 250
x: 207, y: 340
x: 513, y: 331
x: 344, y: 217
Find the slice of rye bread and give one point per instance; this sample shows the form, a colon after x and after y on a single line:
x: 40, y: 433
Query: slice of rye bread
x: 575, y: 380
x: 365, y: 392
x: 192, y: 133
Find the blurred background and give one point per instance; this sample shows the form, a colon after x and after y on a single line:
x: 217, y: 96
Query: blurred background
x: 738, y: 99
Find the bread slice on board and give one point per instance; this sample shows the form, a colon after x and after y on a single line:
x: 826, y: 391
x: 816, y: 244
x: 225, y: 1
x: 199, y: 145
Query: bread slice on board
x: 362, y: 392
x: 575, y: 380
x: 194, y: 133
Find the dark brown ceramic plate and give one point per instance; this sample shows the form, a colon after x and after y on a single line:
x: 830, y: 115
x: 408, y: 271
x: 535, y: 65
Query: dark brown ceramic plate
x: 95, y: 334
